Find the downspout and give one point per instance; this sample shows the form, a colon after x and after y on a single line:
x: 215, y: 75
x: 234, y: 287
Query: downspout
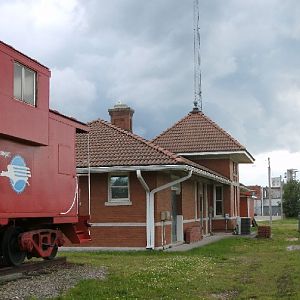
x: 150, y: 204
x: 147, y: 190
x: 89, y: 177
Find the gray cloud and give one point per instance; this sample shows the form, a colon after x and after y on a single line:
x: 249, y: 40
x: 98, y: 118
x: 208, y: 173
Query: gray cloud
x: 141, y: 52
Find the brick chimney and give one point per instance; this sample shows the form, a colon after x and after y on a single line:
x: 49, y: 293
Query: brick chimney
x: 121, y: 116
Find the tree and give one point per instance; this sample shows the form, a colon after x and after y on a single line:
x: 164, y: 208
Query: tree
x: 291, y: 198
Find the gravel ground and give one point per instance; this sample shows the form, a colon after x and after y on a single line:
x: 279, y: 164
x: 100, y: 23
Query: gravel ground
x: 49, y: 283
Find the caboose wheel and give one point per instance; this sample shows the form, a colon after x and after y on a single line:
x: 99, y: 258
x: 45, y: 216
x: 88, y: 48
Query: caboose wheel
x: 53, y: 253
x: 12, y: 254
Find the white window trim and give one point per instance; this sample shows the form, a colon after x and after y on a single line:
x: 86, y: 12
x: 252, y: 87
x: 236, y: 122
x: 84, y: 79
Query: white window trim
x: 215, y: 201
x: 118, y: 201
x: 23, y: 80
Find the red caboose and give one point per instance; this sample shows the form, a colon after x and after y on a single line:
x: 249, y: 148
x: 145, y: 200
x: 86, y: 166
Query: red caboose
x: 38, y: 185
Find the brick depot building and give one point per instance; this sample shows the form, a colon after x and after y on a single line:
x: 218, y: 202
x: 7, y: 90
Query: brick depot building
x: 179, y: 187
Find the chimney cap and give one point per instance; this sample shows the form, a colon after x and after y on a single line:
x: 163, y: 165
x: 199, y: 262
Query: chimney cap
x: 119, y: 106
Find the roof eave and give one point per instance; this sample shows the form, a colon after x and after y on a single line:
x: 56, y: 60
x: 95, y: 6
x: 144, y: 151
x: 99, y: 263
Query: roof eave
x: 196, y: 171
x: 240, y: 156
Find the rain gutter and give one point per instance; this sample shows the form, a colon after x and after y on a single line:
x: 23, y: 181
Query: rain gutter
x: 186, y: 168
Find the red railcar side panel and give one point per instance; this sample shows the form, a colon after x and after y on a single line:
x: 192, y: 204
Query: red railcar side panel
x: 39, y: 180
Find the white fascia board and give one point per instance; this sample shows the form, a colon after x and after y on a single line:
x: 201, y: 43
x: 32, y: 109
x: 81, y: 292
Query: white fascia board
x: 251, y: 159
x: 209, y: 175
x: 130, y: 168
x: 186, y: 168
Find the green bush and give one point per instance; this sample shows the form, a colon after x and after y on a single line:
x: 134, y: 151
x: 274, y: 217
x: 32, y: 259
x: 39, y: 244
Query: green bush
x: 291, y: 198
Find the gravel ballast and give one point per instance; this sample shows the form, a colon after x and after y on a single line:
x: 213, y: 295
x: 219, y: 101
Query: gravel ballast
x: 50, y: 282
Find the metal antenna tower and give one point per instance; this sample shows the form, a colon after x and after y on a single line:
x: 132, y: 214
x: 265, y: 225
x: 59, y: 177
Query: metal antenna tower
x: 197, y: 58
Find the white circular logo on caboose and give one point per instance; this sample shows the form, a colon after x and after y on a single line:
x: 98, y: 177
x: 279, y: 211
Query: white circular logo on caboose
x: 18, y: 174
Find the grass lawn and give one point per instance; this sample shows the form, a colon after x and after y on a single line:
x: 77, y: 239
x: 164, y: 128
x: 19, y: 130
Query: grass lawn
x: 233, y: 268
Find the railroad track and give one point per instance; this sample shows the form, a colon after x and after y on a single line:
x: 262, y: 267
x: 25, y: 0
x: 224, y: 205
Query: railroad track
x: 13, y: 273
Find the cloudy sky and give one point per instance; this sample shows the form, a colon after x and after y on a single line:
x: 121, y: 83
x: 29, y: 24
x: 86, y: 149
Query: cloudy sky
x: 141, y: 53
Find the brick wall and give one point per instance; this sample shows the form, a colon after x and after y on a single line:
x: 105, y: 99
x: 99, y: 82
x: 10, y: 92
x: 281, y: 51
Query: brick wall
x: 222, y: 166
x: 244, y: 208
x: 228, y: 199
x: 101, y: 213
x: 188, y: 200
x: 193, y: 234
x: 121, y: 236
x: 251, y: 208
x: 162, y: 198
x: 159, y: 234
x: 117, y: 237
x: 220, y: 225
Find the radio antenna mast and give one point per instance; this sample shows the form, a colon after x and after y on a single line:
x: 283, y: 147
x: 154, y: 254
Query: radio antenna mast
x: 197, y: 59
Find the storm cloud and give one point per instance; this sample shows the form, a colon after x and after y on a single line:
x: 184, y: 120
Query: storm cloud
x: 141, y: 53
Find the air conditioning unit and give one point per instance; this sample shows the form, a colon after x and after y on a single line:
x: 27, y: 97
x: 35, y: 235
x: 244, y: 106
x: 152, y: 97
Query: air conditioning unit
x: 244, y: 225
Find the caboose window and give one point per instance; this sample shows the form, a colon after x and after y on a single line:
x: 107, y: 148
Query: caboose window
x: 24, y: 84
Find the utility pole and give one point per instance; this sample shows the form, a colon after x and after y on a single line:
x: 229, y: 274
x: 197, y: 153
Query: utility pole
x: 262, y: 201
x: 281, y: 205
x: 270, y: 196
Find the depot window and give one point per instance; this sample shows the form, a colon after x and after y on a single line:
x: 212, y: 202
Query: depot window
x: 24, y: 84
x: 119, y: 189
x: 218, y: 195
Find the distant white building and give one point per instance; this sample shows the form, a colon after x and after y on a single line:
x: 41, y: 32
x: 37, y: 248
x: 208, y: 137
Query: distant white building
x: 275, y: 201
x: 291, y: 174
x: 261, y: 204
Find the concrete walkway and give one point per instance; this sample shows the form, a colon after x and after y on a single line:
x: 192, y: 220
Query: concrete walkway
x: 95, y: 249
x: 205, y: 241
x: 178, y: 248
x: 266, y: 218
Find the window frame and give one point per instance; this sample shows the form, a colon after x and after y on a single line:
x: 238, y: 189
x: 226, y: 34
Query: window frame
x: 118, y: 201
x: 23, y: 68
x: 215, y: 201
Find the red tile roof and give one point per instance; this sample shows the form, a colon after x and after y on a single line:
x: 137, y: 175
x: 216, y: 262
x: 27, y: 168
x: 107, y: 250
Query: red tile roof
x: 112, y: 146
x: 197, y: 133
